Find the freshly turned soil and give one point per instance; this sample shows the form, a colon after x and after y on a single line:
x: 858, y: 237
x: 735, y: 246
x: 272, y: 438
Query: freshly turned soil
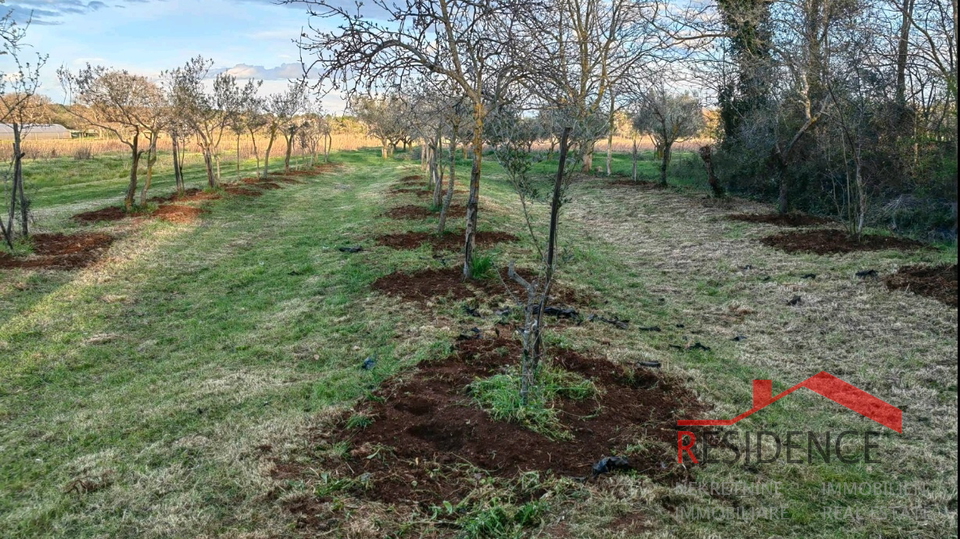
x: 415, y: 212
x: 426, y: 428
x: 938, y: 282
x: 61, y: 251
x: 826, y: 242
x: 451, y: 241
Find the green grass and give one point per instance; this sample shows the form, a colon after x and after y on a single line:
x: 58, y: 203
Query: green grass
x: 134, y: 395
x: 499, y: 395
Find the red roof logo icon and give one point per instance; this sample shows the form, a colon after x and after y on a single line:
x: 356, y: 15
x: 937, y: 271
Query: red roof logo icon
x: 825, y: 384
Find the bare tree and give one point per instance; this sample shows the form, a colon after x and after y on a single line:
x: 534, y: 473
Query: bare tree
x: 581, y: 51
x: 19, y: 106
x: 127, y: 105
x: 460, y: 40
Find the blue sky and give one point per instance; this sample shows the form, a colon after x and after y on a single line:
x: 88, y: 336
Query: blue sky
x: 251, y: 37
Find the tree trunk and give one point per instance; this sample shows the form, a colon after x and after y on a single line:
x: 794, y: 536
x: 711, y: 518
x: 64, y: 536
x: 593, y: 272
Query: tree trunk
x: 783, y: 200
x: 132, y: 187
x: 208, y: 162
x: 266, y: 155
x: 450, y: 183
x: 177, y: 170
x: 474, y: 196
x: 533, y: 338
x: 635, y: 157
x: 706, y: 154
x: 238, y: 157
x: 327, y: 145
x: 610, y: 137
x: 151, y: 160
x: 665, y: 163
x: 18, y: 182
x: 256, y: 152
x: 588, y: 147
x: 436, y: 170
x: 286, y: 158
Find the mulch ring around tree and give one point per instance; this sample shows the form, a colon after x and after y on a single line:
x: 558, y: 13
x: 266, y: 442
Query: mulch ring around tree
x: 787, y: 219
x: 412, y: 179
x: 450, y: 241
x: 417, y: 212
x: 190, y: 195
x: 827, y: 241
x: 60, y: 251
x: 242, y: 191
x: 112, y: 213
x: 938, y: 282
x: 435, y: 283
x: 429, y: 442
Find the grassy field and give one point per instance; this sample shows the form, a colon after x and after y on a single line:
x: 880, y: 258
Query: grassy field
x: 136, y: 395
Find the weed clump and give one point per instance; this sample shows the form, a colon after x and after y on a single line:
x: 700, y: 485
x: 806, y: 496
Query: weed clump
x: 499, y: 395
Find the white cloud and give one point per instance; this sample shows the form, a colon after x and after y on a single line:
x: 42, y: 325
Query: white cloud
x: 284, y: 71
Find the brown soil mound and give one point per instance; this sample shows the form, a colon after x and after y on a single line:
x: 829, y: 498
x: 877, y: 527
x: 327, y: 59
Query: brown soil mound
x: 190, y: 195
x: 938, y: 282
x: 425, y: 427
x: 451, y: 241
x: 789, y: 219
x: 269, y: 185
x: 113, y: 213
x: 173, y: 213
x: 415, y: 212
x: 413, y: 178
x: 60, y: 251
x: 825, y: 242
x: 448, y: 282
x: 242, y: 191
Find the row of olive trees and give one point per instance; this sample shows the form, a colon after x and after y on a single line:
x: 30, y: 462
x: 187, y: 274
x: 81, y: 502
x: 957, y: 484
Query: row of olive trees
x: 502, y: 73
x: 137, y: 111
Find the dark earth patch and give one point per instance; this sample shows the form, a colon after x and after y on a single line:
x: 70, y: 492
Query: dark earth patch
x: 788, y: 219
x: 429, y: 442
x: 451, y: 241
x: 827, y: 241
x: 417, y: 212
x: 190, y: 195
x: 112, y: 213
x: 428, y: 284
x: 938, y: 282
x: 60, y: 251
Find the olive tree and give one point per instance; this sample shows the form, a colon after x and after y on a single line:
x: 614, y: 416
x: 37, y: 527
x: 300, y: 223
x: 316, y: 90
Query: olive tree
x: 129, y: 106
x: 667, y: 118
